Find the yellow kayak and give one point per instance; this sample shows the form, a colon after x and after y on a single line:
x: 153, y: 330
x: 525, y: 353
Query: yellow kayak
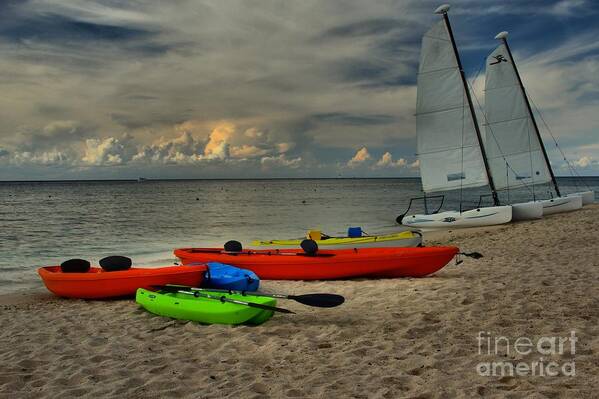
x: 402, y: 239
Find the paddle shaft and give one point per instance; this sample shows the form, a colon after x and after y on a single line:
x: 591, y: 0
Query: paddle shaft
x: 235, y: 301
x: 316, y: 300
x: 281, y: 296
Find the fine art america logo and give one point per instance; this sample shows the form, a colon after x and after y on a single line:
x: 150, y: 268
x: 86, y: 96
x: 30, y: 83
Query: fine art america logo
x: 544, y: 351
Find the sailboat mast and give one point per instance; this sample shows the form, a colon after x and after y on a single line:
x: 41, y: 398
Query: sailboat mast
x: 503, y: 37
x: 443, y: 10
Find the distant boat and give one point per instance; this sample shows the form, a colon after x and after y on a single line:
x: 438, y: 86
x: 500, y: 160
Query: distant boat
x: 515, y: 150
x: 449, y: 141
x: 141, y: 179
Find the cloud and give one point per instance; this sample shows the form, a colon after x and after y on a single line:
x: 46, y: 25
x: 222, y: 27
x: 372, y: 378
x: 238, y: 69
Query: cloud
x: 284, y: 147
x: 187, y: 148
x: 45, y: 158
x: 361, y: 156
x: 107, y: 152
x: 247, y: 151
x: 166, y: 151
x: 253, y: 133
x: 584, y: 162
x: 168, y: 65
x: 568, y: 7
x: 224, y: 143
x: 211, y: 84
x: 281, y: 160
x: 387, y: 161
x: 218, y: 143
x: 51, y: 135
x: 61, y: 127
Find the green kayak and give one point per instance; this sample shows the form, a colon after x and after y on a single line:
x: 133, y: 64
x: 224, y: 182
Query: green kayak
x: 205, y: 310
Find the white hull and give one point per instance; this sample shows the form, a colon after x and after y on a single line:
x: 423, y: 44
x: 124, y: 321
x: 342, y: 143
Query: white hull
x: 527, y: 210
x: 588, y: 197
x: 561, y: 204
x: 479, y: 217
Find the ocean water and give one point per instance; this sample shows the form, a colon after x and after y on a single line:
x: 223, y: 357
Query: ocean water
x: 44, y: 223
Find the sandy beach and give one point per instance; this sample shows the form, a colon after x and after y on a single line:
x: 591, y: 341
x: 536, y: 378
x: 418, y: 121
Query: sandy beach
x: 416, y: 338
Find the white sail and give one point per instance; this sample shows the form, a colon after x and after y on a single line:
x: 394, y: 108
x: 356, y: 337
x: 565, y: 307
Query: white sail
x: 513, y: 150
x: 448, y: 149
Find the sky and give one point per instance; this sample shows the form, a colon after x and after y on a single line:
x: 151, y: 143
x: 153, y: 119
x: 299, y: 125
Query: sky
x: 105, y: 89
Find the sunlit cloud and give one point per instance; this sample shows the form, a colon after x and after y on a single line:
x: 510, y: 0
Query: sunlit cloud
x: 362, y: 155
x: 387, y: 161
x: 584, y: 162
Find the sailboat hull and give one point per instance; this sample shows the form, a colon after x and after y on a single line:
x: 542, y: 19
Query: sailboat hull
x: 561, y: 204
x: 479, y: 217
x: 588, y: 197
x: 527, y: 211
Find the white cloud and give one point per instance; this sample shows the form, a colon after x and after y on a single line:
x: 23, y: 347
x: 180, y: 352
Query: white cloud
x: 109, y: 151
x: 584, y: 162
x: 224, y: 143
x: 361, y: 156
x: 280, y: 160
x: 387, y: 161
x: 45, y: 158
x: 568, y: 7
x: 91, y: 11
x: 183, y: 149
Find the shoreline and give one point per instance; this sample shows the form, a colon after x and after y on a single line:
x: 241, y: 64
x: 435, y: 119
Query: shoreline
x: 414, y: 337
x: 150, y: 179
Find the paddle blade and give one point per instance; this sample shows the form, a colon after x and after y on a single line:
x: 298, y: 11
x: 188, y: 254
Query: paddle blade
x: 319, y: 300
x: 473, y: 255
x: 169, y: 288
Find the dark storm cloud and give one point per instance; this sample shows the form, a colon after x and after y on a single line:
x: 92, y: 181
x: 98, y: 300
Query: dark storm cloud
x: 364, y: 28
x: 338, y: 118
x: 134, y: 121
x: 58, y: 28
x: 53, y: 135
x: 372, y: 75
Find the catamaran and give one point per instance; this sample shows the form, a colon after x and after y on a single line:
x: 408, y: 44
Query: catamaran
x: 449, y: 140
x: 516, y: 155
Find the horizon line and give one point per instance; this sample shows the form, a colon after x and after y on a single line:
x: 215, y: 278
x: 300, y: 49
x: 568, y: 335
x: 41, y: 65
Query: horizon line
x: 144, y: 179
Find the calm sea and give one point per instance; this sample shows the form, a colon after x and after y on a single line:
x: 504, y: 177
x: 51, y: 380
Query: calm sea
x: 44, y: 223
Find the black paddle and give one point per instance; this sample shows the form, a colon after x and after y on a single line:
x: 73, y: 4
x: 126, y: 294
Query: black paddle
x: 473, y: 255
x: 316, y: 300
x: 225, y: 299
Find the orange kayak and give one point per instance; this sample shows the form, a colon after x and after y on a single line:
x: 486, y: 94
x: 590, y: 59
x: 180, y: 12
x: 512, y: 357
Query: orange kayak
x: 291, y: 264
x: 97, y: 283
